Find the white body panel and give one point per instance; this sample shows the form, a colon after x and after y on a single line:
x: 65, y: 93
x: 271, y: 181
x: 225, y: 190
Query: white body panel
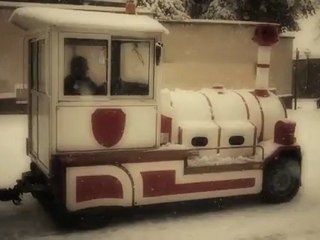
x: 74, y: 172
x: 264, y: 54
x: 181, y: 178
x: 234, y: 113
x: 226, y: 105
x: 237, y: 128
x: 254, y: 109
x: 44, y: 130
x: 187, y: 106
x: 137, y: 197
x: 273, y: 111
x: 190, y: 130
x: 74, y: 128
x: 263, y: 67
x: 262, y: 78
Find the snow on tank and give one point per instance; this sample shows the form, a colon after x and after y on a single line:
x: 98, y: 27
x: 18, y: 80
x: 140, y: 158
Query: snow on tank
x: 232, y: 122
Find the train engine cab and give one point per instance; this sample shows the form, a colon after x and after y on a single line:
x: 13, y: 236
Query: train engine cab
x: 103, y: 134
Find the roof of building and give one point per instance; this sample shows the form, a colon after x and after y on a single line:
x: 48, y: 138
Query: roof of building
x: 216, y: 21
x: 34, y: 18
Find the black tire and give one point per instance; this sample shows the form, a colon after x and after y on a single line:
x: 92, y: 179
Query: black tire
x: 86, y: 221
x: 281, y: 181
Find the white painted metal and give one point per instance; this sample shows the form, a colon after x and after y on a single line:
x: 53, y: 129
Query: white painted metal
x: 236, y: 113
x: 192, y: 129
x: 118, y: 173
x: 226, y: 105
x: 181, y: 178
x: 40, y: 100
x: 262, y: 78
x: 262, y: 74
x: 187, y: 106
x: 273, y: 111
x: 237, y: 128
x: 74, y: 128
x: 54, y: 84
x: 255, y: 115
x: 264, y: 54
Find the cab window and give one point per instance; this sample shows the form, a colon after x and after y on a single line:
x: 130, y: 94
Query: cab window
x: 85, y: 66
x: 130, y: 67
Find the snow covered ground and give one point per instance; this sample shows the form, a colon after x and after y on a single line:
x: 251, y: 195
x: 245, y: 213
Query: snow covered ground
x: 296, y: 220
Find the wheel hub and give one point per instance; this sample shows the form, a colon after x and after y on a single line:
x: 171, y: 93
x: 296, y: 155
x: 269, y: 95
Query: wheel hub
x: 281, y: 181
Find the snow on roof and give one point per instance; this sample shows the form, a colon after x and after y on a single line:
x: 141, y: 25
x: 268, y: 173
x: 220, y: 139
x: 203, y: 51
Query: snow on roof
x: 207, y: 21
x: 14, y: 5
x: 33, y: 18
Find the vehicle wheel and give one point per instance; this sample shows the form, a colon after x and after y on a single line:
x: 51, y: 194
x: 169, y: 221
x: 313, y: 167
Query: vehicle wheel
x: 281, y: 181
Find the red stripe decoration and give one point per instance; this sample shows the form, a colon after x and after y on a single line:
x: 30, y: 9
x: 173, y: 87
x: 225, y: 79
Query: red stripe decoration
x: 180, y: 132
x: 166, y: 125
x: 266, y: 35
x: 162, y: 183
x: 97, y: 187
x: 262, y: 92
x: 261, y: 65
x: 108, y: 126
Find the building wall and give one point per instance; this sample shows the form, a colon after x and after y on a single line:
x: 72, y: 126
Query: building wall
x: 195, y: 56
x: 281, y: 66
x: 11, y: 56
x: 199, y: 55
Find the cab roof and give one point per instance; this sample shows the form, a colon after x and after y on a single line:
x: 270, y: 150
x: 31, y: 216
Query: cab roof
x: 37, y: 18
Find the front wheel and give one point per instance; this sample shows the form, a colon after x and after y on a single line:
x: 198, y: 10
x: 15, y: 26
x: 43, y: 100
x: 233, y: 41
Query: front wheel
x: 281, y: 181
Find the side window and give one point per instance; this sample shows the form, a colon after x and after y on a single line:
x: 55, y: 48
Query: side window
x: 37, y: 61
x: 41, y: 67
x: 34, y: 65
x: 85, y: 66
x: 130, y: 67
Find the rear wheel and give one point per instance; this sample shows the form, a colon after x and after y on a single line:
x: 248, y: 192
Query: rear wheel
x: 281, y: 181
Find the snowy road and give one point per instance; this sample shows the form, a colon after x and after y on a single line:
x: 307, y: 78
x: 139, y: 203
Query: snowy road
x: 297, y: 220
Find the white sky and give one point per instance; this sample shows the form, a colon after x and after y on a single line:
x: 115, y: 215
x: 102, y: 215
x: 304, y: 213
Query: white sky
x: 308, y: 38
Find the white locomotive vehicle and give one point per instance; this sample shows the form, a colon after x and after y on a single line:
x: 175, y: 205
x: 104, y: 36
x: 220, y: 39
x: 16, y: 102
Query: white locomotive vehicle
x: 102, y: 132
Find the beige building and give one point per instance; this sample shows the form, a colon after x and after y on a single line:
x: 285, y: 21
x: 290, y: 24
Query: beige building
x: 11, y: 54
x: 205, y: 53
x: 197, y: 54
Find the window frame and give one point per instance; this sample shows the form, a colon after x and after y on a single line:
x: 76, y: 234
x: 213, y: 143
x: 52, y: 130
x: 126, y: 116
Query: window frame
x: 108, y: 96
x: 34, y: 90
x: 77, y: 98
x: 151, y: 81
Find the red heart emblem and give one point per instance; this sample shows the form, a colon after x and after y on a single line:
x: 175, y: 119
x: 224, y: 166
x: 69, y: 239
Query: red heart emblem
x: 108, y: 126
